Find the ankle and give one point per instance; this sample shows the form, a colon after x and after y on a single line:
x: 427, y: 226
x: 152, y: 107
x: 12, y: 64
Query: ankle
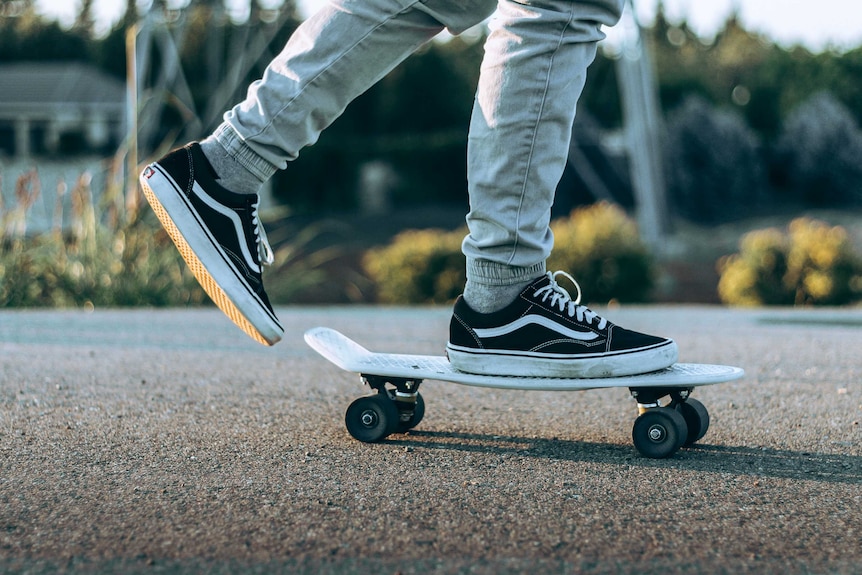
x: 484, y: 298
x: 230, y: 173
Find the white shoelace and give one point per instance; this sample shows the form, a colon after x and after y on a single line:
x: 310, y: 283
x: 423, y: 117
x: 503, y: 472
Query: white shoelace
x: 264, y: 250
x: 561, y: 297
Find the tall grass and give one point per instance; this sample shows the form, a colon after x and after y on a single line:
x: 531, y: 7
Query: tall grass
x: 104, y: 252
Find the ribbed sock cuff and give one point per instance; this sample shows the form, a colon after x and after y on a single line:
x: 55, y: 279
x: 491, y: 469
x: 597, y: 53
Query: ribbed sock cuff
x: 496, y: 274
x: 242, y: 153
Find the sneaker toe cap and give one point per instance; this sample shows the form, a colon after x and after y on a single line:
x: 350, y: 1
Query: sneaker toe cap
x: 623, y: 339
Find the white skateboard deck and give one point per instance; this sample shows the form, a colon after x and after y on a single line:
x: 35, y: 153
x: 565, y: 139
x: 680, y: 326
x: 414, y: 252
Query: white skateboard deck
x: 350, y: 356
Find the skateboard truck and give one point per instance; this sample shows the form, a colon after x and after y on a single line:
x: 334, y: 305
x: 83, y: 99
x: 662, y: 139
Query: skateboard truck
x: 650, y: 397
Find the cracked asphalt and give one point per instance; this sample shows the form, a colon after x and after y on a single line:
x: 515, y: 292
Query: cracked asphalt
x: 165, y: 441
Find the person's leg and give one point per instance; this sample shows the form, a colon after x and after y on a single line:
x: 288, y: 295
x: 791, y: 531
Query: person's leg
x: 534, y: 70
x: 205, y: 196
x: 513, y: 319
x: 333, y: 57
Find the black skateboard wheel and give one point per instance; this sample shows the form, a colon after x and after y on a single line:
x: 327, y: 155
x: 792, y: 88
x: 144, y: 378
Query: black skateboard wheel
x: 696, y: 418
x: 659, y: 432
x: 372, y: 418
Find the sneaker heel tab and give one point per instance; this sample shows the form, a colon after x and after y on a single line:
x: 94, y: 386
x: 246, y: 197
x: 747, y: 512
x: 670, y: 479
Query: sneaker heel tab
x: 461, y: 306
x: 200, y: 159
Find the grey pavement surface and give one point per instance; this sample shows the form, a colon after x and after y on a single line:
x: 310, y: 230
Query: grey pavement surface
x: 165, y: 441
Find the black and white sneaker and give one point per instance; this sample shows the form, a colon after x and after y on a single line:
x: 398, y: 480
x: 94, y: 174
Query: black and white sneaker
x: 545, y: 333
x: 219, y: 235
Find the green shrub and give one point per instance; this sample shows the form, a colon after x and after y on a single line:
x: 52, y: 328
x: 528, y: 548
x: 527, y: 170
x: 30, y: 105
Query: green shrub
x: 418, y: 266
x: 110, y: 253
x: 811, y: 263
x: 300, y: 266
x: 599, y: 245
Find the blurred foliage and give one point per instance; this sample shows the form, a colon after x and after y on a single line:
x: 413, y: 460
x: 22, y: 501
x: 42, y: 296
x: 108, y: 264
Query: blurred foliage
x: 107, y: 253
x: 114, y: 259
x: 742, y: 70
x: 811, y: 263
x: 755, y: 99
x: 300, y: 265
x: 418, y: 266
x: 598, y: 245
x: 750, y: 124
x: 819, y: 151
x: 716, y: 169
x: 427, y: 150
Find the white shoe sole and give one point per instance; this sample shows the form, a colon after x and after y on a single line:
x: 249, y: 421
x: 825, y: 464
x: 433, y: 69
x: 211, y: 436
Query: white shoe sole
x: 522, y: 364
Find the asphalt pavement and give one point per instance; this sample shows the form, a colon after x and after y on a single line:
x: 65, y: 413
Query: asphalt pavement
x: 165, y: 441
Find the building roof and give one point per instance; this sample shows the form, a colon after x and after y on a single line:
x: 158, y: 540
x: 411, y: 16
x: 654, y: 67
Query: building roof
x: 49, y: 84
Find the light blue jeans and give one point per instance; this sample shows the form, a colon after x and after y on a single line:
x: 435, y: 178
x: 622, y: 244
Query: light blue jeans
x: 532, y: 75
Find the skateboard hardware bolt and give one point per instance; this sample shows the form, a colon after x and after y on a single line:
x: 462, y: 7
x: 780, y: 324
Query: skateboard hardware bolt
x: 657, y: 433
x: 368, y: 418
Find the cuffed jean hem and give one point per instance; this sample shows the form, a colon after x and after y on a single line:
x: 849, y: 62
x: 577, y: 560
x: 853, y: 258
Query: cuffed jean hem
x: 494, y: 274
x: 233, y: 143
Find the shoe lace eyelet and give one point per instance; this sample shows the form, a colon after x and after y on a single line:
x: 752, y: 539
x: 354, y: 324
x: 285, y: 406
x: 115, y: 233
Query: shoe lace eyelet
x: 562, y: 299
x: 264, y: 249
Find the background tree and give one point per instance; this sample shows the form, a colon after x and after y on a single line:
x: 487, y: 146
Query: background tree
x: 416, y: 119
x: 85, y: 23
x: 714, y: 169
x: 817, y: 157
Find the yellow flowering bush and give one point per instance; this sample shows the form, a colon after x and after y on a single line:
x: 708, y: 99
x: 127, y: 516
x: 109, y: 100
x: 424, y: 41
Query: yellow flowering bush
x: 599, y: 245
x: 812, y: 263
x: 418, y: 266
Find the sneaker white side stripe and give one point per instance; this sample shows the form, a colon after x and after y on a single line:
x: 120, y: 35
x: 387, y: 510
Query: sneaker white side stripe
x: 231, y: 215
x: 535, y: 320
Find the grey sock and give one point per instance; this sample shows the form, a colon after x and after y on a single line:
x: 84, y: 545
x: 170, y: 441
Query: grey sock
x: 231, y: 174
x: 485, y: 298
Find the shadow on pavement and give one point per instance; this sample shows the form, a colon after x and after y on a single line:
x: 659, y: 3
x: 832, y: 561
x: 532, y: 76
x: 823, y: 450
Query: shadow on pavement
x: 753, y: 461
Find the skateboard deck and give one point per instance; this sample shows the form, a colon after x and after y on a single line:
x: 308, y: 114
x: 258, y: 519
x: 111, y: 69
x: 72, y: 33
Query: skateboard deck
x: 658, y: 431
x: 351, y: 356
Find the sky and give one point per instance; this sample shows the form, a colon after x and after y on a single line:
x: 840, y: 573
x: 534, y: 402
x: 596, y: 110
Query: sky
x: 816, y: 25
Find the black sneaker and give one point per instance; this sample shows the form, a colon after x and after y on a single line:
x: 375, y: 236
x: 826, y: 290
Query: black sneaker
x: 545, y: 333
x: 219, y: 236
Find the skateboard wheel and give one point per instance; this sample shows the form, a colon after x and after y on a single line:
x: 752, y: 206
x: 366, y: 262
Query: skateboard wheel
x: 659, y: 432
x: 372, y: 418
x: 696, y: 418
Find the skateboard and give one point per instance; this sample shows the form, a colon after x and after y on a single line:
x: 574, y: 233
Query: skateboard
x: 397, y: 406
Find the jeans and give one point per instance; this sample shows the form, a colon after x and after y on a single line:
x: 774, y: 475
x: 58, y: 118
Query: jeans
x: 532, y: 75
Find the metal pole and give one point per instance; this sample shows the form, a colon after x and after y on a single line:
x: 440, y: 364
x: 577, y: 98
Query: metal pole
x: 641, y: 118
x: 132, y: 120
